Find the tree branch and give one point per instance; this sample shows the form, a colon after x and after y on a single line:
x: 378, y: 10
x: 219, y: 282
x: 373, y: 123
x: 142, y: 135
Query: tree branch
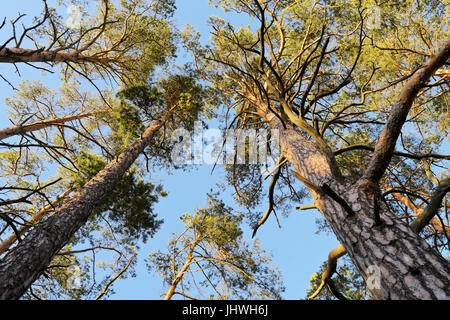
x: 333, y: 257
x: 433, y: 207
x: 395, y: 153
x: 385, y: 146
x: 105, y: 289
x: 23, y: 128
x: 273, y: 183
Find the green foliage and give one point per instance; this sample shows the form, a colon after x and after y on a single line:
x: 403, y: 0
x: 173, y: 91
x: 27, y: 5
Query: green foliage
x: 126, y: 126
x: 129, y: 205
x: 129, y: 46
x: 129, y: 216
x: 153, y: 100
x: 215, y: 224
x: 139, y: 37
x: 59, y: 277
x: 216, y: 256
x: 347, y: 280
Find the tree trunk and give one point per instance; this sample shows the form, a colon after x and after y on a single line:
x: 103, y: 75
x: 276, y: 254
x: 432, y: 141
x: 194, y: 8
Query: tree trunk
x: 25, y: 263
x: 390, y: 255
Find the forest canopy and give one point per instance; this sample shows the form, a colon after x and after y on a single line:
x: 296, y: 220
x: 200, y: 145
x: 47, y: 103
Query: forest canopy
x: 334, y: 107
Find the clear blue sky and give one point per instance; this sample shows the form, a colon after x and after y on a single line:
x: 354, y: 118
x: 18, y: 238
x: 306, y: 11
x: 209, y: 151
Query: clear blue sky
x: 298, y: 251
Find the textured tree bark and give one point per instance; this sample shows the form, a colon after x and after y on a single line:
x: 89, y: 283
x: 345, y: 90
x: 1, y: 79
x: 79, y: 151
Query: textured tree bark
x: 24, y: 264
x: 390, y: 255
x: 408, y: 267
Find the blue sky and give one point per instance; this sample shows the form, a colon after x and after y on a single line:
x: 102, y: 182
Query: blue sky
x: 298, y: 251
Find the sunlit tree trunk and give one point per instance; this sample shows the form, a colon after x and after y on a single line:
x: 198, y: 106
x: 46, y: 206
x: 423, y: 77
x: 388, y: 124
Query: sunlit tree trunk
x: 25, y: 263
x: 409, y: 268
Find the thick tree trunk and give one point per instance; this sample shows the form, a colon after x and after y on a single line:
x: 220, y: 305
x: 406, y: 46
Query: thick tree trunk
x: 408, y: 267
x: 390, y: 255
x: 25, y: 263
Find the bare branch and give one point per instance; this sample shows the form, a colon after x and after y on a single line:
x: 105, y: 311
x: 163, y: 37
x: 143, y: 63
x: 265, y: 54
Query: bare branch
x: 271, y: 191
x: 110, y: 282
